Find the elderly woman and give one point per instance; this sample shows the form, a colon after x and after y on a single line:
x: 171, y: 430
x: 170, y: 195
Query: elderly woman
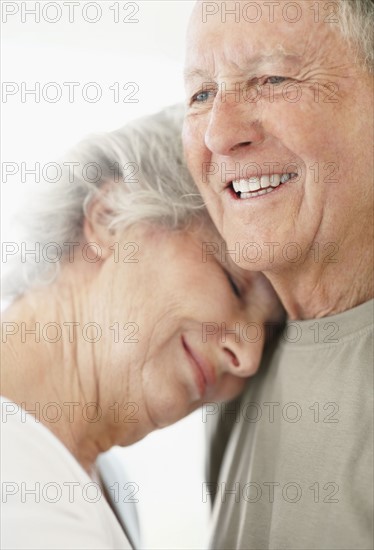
x: 125, y: 328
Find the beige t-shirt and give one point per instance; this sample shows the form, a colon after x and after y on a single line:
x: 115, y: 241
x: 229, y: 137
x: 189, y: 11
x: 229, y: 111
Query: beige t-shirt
x: 298, y: 468
x: 47, y: 500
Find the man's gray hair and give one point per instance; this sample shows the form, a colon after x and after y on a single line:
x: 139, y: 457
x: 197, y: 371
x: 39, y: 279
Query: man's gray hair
x: 356, y: 18
x: 150, y: 182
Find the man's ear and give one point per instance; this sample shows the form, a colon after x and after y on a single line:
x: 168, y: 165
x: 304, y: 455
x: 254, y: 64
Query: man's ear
x: 95, y: 227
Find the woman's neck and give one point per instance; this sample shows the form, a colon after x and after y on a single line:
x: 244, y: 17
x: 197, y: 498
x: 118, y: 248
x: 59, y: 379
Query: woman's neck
x: 49, y: 370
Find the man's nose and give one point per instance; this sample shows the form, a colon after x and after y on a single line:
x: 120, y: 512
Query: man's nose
x: 233, y: 125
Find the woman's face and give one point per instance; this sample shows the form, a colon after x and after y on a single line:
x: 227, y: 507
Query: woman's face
x: 183, y: 322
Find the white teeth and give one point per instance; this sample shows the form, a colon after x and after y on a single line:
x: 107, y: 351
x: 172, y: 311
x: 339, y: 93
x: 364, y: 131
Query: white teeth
x: 252, y: 187
x: 246, y: 185
x: 265, y: 182
x: 254, y: 184
x: 275, y: 180
x: 256, y: 193
x: 236, y: 185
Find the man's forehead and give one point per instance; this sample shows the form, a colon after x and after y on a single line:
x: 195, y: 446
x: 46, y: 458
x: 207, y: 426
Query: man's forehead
x: 220, y: 40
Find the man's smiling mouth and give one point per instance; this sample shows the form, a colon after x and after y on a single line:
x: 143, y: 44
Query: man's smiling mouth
x: 247, y: 188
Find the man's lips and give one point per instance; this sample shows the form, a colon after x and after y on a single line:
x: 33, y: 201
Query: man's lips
x: 262, y: 174
x: 244, y: 189
x: 203, y: 371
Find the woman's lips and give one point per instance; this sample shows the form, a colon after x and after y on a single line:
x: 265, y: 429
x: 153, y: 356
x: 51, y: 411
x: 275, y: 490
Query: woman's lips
x: 203, y: 371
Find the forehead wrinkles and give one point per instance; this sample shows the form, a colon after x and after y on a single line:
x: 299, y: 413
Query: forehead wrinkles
x: 223, y: 54
x: 231, y: 49
x: 229, y: 62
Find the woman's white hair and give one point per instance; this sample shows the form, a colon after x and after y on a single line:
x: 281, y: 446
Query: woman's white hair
x: 144, y: 160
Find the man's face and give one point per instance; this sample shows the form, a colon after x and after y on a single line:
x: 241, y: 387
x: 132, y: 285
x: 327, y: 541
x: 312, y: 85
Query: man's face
x: 283, y: 103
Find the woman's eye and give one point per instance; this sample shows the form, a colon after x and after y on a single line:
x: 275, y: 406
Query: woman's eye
x: 234, y: 286
x: 275, y: 79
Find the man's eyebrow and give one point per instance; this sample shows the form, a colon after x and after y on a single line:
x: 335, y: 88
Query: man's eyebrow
x: 189, y: 74
x: 250, y: 63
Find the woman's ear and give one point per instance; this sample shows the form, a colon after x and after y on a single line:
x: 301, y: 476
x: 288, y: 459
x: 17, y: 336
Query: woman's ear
x: 95, y: 225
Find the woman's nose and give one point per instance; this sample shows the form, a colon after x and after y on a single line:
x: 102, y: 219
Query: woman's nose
x: 241, y: 351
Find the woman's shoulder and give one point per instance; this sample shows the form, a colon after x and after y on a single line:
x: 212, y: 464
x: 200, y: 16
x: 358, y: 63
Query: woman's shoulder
x: 48, y: 500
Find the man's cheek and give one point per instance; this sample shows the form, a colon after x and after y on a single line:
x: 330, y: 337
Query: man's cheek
x: 195, y: 150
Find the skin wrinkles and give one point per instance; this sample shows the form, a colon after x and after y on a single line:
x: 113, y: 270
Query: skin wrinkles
x: 305, y: 60
x: 169, y: 294
x: 327, y: 128
x: 305, y: 75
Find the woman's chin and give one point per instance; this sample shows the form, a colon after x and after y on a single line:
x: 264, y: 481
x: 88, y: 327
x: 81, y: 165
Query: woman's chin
x: 229, y: 387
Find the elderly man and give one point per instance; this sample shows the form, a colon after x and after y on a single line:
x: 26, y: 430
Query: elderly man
x: 278, y: 136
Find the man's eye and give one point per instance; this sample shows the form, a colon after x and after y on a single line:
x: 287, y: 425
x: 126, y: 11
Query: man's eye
x: 234, y: 286
x: 200, y: 97
x: 275, y: 79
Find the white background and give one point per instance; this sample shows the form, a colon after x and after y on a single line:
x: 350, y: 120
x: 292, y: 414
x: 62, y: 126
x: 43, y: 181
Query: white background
x: 168, y: 465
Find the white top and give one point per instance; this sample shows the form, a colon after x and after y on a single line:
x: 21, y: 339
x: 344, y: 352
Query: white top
x: 121, y: 492
x: 48, y: 501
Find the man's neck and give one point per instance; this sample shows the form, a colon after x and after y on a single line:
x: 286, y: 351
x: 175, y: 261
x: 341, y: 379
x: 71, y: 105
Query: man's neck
x: 313, y: 290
